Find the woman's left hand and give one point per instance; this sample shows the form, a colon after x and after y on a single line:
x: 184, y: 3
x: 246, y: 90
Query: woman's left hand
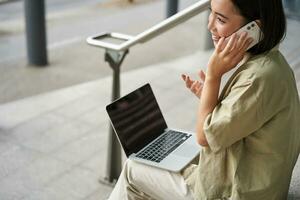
x: 227, y: 56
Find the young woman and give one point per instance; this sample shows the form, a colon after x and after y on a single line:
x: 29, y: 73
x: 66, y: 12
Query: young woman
x: 250, y: 133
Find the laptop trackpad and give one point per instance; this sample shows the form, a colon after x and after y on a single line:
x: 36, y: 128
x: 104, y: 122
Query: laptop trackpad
x: 185, y: 151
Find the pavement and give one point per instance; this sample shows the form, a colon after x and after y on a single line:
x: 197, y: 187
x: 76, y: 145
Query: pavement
x: 53, y: 144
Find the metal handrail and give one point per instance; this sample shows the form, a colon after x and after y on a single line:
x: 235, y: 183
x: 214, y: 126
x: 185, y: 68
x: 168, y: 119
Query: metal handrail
x: 115, y: 54
x: 152, y: 32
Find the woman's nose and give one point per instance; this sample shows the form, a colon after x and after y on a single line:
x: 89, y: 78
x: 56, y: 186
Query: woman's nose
x: 210, y: 24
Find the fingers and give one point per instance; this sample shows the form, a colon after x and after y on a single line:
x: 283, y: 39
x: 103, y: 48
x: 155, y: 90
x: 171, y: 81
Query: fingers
x: 242, y: 40
x: 187, y: 80
x: 201, y: 74
x: 231, y: 44
x: 194, y: 86
x: 247, y: 43
x: 199, y: 91
x: 238, y: 45
x: 220, y: 45
x: 244, y: 47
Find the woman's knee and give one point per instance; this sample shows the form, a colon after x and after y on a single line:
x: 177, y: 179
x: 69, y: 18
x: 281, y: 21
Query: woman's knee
x: 129, y: 165
x: 134, y: 171
x: 128, y: 169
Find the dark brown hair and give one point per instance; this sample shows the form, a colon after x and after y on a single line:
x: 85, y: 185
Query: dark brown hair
x: 272, y: 17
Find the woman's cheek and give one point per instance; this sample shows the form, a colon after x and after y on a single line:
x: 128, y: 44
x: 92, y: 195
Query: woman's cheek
x: 224, y: 31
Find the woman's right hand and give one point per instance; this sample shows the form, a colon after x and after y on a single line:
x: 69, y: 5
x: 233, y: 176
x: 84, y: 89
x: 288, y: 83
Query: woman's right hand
x: 193, y: 85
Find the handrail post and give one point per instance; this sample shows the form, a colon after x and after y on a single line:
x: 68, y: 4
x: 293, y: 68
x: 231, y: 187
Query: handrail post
x: 172, y: 7
x: 114, y: 158
x: 36, y: 32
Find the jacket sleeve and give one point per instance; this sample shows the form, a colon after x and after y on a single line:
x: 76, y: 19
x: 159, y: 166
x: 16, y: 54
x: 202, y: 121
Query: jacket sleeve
x: 235, y: 117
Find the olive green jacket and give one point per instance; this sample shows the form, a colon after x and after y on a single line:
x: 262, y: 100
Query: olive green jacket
x: 253, y: 135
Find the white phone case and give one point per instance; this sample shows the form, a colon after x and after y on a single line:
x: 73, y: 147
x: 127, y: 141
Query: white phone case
x: 253, y: 31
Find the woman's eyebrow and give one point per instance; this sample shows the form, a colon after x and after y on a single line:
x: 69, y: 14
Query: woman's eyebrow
x: 221, y: 15
x: 209, y: 8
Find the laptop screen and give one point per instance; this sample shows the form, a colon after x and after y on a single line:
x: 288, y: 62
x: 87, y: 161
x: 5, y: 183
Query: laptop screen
x: 136, y: 119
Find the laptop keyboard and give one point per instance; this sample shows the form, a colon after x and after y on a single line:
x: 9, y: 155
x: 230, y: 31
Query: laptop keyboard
x: 162, y: 147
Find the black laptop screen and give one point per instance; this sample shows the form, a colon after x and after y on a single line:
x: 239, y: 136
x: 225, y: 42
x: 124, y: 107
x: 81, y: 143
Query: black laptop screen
x: 137, y: 119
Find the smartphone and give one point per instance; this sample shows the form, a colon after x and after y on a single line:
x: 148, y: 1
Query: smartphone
x: 253, y: 31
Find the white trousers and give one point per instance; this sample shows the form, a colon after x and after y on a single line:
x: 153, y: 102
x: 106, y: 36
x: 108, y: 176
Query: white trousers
x: 138, y: 181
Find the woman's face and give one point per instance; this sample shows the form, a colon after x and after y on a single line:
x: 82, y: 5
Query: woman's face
x: 224, y: 19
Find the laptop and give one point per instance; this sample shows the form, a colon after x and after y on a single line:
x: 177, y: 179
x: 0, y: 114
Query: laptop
x: 144, y: 135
